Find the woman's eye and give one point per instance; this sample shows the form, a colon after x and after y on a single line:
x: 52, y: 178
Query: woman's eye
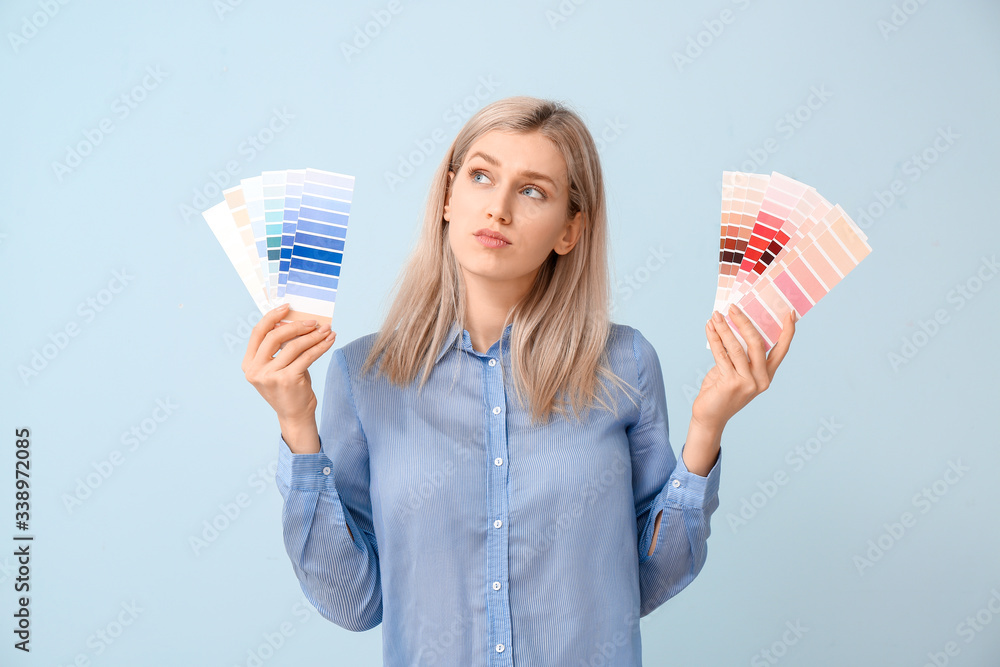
x: 480, y: 177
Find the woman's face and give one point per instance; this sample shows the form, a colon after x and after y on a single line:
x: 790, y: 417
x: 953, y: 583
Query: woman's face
x: 515, y: 184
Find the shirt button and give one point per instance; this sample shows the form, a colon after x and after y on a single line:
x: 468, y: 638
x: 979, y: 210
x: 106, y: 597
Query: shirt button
x: 496, y: 585
x: 498, y: 461
x: 496, y: 410
x: 499, y: 648
x: 497, y: 523
x: 326, y: 470
x: 493, y: 362
x: 676, y: 483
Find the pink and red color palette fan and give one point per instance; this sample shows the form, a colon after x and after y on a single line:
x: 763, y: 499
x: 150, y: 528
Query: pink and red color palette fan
x: 782, y: 247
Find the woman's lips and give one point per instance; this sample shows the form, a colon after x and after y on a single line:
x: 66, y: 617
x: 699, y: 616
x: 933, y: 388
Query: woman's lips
x: 491, y: 242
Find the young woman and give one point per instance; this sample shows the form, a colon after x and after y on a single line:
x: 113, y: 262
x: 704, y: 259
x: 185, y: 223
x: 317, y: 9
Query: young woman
x: 519, y: 503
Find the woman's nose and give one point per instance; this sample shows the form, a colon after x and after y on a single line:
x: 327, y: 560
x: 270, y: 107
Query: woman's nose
x: 498, y: 206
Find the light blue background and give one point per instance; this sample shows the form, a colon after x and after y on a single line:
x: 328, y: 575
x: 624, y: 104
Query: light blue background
x: 174, y: 332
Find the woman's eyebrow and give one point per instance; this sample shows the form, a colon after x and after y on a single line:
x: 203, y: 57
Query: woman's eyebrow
x: 536, y: 175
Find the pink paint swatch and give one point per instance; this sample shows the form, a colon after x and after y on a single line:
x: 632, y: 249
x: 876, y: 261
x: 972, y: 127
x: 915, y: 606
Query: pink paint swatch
x: 782, y: 248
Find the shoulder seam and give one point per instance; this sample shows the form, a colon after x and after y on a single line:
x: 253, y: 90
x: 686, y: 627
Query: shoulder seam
x: 635, y: 355
x: 638, y: 375
x: 345, y: 369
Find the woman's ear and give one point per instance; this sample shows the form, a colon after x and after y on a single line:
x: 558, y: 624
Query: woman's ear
x: 573, y: 230
x: 447, y: 195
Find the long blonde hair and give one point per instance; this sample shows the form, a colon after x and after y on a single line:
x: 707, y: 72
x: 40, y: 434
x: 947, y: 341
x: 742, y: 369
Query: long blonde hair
x: 560, y: 328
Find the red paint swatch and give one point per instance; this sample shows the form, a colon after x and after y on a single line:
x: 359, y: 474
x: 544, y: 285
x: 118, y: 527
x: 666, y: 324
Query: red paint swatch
x: 792, y: 253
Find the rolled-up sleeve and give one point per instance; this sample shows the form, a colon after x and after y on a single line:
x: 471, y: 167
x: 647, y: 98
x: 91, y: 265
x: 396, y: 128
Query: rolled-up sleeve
x: 323, y: 493
x: 662, y: 483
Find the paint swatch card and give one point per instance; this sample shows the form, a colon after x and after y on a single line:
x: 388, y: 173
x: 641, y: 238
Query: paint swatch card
x: 782, y: 247
x: 284, y: 233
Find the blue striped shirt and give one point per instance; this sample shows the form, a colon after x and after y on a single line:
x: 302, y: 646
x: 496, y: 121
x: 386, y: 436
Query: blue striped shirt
x: 481, y: 540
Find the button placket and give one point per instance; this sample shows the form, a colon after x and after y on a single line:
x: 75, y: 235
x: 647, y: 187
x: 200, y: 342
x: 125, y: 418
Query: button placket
x: 498, y: 547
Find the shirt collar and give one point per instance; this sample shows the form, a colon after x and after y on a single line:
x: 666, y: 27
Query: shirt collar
x: 457, y: 333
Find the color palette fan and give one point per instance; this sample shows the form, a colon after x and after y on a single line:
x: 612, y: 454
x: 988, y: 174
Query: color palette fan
x: 782, y: 248
x: 284, y: 232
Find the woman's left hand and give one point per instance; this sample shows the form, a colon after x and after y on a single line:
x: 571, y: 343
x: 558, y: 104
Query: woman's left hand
x: 738, y: 376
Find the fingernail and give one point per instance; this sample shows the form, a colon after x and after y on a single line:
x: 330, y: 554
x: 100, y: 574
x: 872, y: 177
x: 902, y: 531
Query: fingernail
x: 717, y: 316
x: 283, y: 306
x: 309, y: 323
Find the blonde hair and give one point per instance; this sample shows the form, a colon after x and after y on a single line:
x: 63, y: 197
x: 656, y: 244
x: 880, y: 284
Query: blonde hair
x: 561, y: 326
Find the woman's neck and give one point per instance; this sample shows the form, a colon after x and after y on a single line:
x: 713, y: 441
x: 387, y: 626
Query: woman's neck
x: 487, y: 303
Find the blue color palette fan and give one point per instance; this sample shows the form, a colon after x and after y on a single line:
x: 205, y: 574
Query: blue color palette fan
x: 284, y: 233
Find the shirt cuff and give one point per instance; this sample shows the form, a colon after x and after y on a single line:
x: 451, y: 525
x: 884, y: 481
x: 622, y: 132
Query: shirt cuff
x: 688, y: 489
x: 304, y: 472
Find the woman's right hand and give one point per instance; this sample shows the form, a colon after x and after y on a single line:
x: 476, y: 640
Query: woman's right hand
x: 283, y: 380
